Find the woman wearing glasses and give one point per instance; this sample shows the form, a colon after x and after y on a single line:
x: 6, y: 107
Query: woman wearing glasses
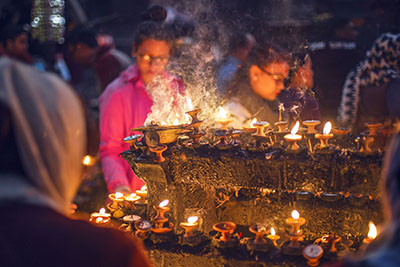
x: 128, y: 100
x: 253, y: 94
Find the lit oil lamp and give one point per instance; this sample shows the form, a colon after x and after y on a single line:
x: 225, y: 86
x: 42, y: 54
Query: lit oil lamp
x: 100, y: 217
x: 372, y: 233
x: 293, y: 137
x: 260, y: 230
x: 226, y: 229
x: 132, y: 199
x: 295, y: 234
x: 332, y: 240
x: 159, y: 150
x: 142, y: 193
x: 273, y: 237
x: 116, y: 198
x: 251, y: 127
x: 142, y: 229
x: 313, y: 253
x: 222, y: 118
x: 373, y: 127
x: 311, y: 124
x: 132, y: 140
x: 260, y: 126
x: 325, y: 136
x: 159, y: 220
x: 189, y: 226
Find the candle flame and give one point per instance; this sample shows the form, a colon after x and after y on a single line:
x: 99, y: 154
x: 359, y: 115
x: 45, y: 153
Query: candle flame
x: 252, y: 122
x: 372, y: 233
x: 87, y: 160
x: 189, y: 103
x: 222, y: 114
x: 272, y: 231
x: 143, y: 188
x: 295, y: 128
x: 102, y: 211
x: 192, y: 219
x: 327, y: 128
x: 164, y: 203
x: 119, y: 195
x: 295, y: 214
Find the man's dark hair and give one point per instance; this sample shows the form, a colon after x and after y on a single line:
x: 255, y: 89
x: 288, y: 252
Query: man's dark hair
x: 82, y: 34
x: 264, y: 54
x: 11, y: 32
x: 152, y: 30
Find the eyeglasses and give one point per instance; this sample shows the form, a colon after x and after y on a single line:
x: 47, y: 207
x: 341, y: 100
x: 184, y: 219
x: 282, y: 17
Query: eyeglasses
x: 278, y: 78
x: 154, y: 60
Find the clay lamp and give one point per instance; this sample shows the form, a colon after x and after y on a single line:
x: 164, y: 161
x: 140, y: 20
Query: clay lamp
x: 159, y: 150
x: 132, y: 140
x: 130, y: 219
x: 251, y: 128
x: 193, y: 113
x: 116, y: 199
x: 197, y: 135
x: 311, y: 124
x: 189, y: 225
x: 222, y: 135
x: 132, y: 199
x: 142, y: 228
x: 100, y: 217
x: 159, y: 220
x: 313, y: 253
x: 332, y: 240
x: 282, y: 125
x: 325, y: 136
x: 260, y: 230
x: 293, y: 137
x: 260, y: 126
x: 372, y: 233
x: 142, y: 193
x: 273, y: 237
x: 235, y: 135
x: 222, y: 118
x: 373, y: 128
x: 366, y: 142
x: 341, y: 131
x: 295, y: 222
x: 226, y: 229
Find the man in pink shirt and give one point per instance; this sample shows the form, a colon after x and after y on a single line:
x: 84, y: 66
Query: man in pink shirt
x: 127, y: 101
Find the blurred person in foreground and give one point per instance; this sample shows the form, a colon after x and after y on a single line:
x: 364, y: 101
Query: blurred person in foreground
x: 14, y: 43
x: 127, y: 101
x: 299, y: 98
x: 42, y: 143
x: 256, y: 86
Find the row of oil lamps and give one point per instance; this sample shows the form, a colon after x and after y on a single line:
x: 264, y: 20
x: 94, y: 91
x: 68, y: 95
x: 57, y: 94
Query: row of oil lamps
x: 161, y: 225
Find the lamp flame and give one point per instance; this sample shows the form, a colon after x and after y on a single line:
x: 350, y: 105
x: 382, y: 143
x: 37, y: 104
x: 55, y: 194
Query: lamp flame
x: 327, y: 128
x: 295, y: 128
x: 272, y: 231
x: 192, y: 219
x: 119, y: 195
x: 222, y: 114
x: 102, y: 211
x: 176, y: 122
x: 87, y: 160
x: 133, y: 195
x: 189, y: 103
x: 372, y: 233
x: 295, y: 214
x: 143, y: 188
x: 252, y: 122
x: 163, y: 123
x: 164, y: 203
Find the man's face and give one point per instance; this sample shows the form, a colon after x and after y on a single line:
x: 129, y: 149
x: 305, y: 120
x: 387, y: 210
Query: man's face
x: 83, y: 54
x: 268, y: 81
x: 18, y: 48
x: 152, y: 57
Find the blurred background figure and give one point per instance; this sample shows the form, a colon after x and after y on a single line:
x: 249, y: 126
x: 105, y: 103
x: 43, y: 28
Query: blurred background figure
x: 298, y: 98
x: 40, y: 174
x: 14, y: 43
x: 239, y: 48
x: 256, y: 86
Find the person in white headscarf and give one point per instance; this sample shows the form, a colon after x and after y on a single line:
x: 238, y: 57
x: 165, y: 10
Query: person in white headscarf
x: 42, y: 143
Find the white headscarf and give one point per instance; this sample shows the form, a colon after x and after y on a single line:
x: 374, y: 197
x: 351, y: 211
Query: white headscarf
x: 49, y: 125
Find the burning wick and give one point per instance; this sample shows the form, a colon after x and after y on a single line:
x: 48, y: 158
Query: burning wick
x: 327, y: 128
x: 189, y: 225
x: 252, y: 123
x: 273, y: 237
x: 163, y: 203
x: 293, y: 137
x: 189, y: 103
x: 119, y: 195
x: 102, y: 211
x: 372, y: 233
x: 326, y: 135
x: 295, y: 215
x: 87, y: 160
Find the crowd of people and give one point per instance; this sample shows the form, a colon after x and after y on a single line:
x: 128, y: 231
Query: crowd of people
x: 49, y: 121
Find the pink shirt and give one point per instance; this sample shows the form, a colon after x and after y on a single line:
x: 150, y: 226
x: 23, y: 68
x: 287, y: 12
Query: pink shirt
x: 124, y: 105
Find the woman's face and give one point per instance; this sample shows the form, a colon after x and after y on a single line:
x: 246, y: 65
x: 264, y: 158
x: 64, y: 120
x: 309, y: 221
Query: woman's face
x: 152, y: 57
x: 268, y: 81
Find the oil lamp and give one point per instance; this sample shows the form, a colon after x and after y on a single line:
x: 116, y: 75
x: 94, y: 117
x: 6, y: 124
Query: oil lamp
x: 293, y: 137
x: 367, y: 140
x: 281, y: 126
x: 273, y: 237
x: 142, y: 193
x: 129, y: 220
x: 332, y: 240
x: 159, y: 219
x: 142, y: 228
x: 159, y: 150
x: 311, y: 124
x: 313, y: 253
x: 260, y: 126
x: 226, y: 229
x: 132, y: 140
x: 295, y: 234
x: 222, y: 118
x: 251, y: 127
x: 372, y: 233
x: 189, y: 225
x: 326, y: 135
x: 132, y: 199
x: 193, y: 113
x: 116, y: 198
x: 260, y: 230
x: 373, y: 128
x: 100, y: 217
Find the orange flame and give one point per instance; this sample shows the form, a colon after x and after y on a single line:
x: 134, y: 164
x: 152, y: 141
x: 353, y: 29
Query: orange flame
x: 295, y: 128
